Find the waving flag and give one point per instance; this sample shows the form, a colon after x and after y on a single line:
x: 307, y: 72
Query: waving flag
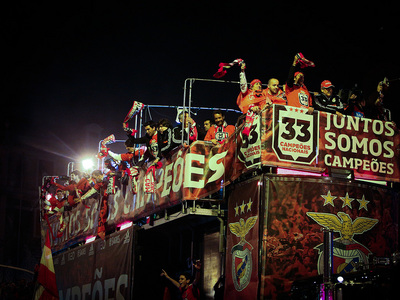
x: 222, y: 66
x: 304, y: 62
x: 47, y: 285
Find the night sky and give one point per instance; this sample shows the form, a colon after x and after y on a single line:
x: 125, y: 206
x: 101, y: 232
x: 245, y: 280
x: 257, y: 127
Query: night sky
x: 68, y: 65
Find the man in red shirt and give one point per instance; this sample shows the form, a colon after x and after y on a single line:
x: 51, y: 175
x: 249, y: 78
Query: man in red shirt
x: 188, y: 291
x: 99, y: 185
x: 274, y: 94
x: 297, y: 93
x: 253, y: 98
x: 220, y: 131
x: 131, y: 156
x: 79, y: 185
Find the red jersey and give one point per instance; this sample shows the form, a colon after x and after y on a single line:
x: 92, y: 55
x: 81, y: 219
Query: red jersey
x: 298, y: 96
x: 153, y: 145
x: 256, y: 98
x: 188, y: 294
x: 220, y: 133
x: 82, y: 186
x: 278, y: 98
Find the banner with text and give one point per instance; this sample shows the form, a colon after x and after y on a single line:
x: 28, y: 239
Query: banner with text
x: 98, y: 270
x: 81, y: 221
x: 190, y: 174
x: 281, y: 136
x: 292, y: 138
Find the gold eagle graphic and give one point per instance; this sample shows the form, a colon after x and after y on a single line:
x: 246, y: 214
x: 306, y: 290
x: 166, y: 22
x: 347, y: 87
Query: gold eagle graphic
x: 241, y: 228
x: 343, y: 224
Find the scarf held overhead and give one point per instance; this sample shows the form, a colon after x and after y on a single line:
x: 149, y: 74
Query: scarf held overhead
x: 222, y: 66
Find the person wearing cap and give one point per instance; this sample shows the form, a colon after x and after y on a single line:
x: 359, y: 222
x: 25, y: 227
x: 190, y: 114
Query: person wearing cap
x: 297, y: 93
x: 253, y: 98
x: 250, y: 100
x: 327, y: 101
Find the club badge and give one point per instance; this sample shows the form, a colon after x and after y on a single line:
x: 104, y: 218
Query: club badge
x: 242, y: 253
x: 347, y: 252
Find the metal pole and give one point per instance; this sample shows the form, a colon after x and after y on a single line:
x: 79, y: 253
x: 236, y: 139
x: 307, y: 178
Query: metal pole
x: 214, y: 80
x: 100, y: 161
x: 184, y: 107
x: 328, y: 262
x: 197, y: 108
x: 70, y: 168
x: 191, y: 81
x: 190, y: 105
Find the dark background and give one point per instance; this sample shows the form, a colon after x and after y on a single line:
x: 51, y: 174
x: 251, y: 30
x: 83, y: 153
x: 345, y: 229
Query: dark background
x: 69, y: 64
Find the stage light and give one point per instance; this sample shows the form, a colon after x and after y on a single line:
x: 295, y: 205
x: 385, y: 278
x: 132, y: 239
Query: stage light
x: 125, y: 225
x: 87, y: 164
x: 282, y: 171
x: 90, y: 239
x: 340, y: 279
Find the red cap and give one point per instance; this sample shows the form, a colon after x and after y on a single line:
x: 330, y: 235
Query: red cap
x: 254, y: 82
x: 297, y: 73
x: 326, y: 84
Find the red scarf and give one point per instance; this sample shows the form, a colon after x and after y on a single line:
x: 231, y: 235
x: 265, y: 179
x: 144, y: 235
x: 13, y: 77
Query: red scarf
x: 222, y: 66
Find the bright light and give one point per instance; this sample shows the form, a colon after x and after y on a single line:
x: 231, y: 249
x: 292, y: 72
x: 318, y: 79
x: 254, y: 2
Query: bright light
x: 90, y: 239
x: 125, y: 225
x: 87, y: 164
x: 340, y: 279
x: 282, y: 171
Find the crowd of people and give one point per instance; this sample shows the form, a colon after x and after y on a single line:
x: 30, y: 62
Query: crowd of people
x: 162, y: 137
x: 295, y: 93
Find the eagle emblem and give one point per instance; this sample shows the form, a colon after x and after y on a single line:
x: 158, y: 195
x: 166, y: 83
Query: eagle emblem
x: 343, y: 224
x: 346, y: 251
x: 241, y: 228
x: 242, y: 262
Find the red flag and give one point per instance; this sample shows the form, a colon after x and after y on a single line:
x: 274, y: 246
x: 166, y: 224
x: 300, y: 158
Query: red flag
x: 304, y: 62
x: 222, y: 66
x: 46, y: 276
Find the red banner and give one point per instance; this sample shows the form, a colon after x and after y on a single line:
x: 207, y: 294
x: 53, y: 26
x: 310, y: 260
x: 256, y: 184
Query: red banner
x: 314, y: 142
x: 192, y: 173
x: 242, y: 241
x: 98, y: 270
x: 81, y: 221
x: 364, y: 222
x: 282, y: 136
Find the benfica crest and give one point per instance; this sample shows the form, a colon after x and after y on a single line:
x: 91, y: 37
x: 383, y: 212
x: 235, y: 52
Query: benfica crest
x: 347, y: 252
x: 241, y: 253
x: 295, y: 137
